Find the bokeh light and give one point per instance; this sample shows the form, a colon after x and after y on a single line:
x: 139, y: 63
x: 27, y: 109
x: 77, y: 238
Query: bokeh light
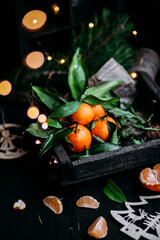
x: 55, y: 8
x: 37, y: 142
x: 34, y: 60
x: 34, y: 20
x: 42, y: 118
x: 91, y: 25
x: 44, y: 125
x: 62, y: 61
x: 133, y: 75
x: 33, y: 112
x: 5, y: 87
x: 49, y: 58
x: 134, y: 32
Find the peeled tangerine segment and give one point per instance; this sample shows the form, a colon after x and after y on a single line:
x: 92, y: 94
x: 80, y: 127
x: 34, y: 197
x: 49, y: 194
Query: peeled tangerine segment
x: 19, y: 205
x: 87, y: 202
x: 98, y: 228
x: 150, y: 178
x: 54, y: 203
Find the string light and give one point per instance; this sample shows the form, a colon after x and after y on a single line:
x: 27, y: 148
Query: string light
x: 33, y: 112
x: 34, y: 60
x: 5, y: 87
x: 55, y: 161
x: 134, y: 32
x: 133, y: 74
x: 62, y: 61
x: 49, y: 58
x: 55, y: 8
x: 44, y: 125
x: 42, y: 118
x: 91, y: 25
x: 37, y: 142
x: 34, y: 20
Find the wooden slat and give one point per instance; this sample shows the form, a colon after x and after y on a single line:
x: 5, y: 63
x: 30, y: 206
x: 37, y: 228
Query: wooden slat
x: 115, y: 161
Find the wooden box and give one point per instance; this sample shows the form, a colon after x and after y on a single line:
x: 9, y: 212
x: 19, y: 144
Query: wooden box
x: 122, y: 159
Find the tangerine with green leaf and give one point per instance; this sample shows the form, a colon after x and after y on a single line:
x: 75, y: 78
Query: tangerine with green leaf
x: 83, y: 115
x: 80, y: 138
x: 100, y: 128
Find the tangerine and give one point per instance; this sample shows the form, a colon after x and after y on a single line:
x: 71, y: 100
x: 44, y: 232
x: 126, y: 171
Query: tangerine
x: 54, y: 203
x: 150, y: 179
x: 98, y: 228
x: 87, y: 202
x: 80, y: 138
x: 101, y: 129
x: 99, y: 111
x: 83, y: 115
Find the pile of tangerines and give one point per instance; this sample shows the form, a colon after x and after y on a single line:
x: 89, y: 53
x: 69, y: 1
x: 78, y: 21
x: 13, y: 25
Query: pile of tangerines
x: 81, y: 136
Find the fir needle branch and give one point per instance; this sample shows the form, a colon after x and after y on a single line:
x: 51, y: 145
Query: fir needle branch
x: 104, y: 42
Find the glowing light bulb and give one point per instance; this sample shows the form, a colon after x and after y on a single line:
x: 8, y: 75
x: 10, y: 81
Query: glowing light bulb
x: 55, y: 161
x: 91, y: 25
x: 62, y: 61
x: 34, y: 20
x: 44, y: 125
x: 34, y: 60
x: 33, y: 112
x: 50, y: 163
x: 133, y: 74
x: 5, y: 87
x: 37, y: 142
x: 49, y: 58
x: 42, y: 118
x: 55, y: 8
x: 134, y: 32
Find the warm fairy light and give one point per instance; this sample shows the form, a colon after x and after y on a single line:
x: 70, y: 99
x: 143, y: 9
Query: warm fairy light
x: 44, y: 125
x: 49, y: 58
x: 62, y: 61
x: 37, y: 142
x: 133, y: 74
x: 50, y: 163
x: 33, y: 112
x: 55, y: 161
x: 55, y: 8
x: 5, y: 87
x: 134, y: 32
x: 34, y: 20
x: 42, y: 118
x: 91, y: 25
x: 34, y: 60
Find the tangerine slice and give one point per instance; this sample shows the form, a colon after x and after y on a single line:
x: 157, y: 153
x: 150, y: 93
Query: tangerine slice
x: 87, y: 202
x: 98, y: 228
x: 150, y: 178
x: 54, y: 203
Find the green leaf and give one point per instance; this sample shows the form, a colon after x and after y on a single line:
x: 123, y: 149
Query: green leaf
x: 114, y: 192
x: 104, y: 147
x: 111, y: 127
x: 51, y: 100
x: 77, y: 76
x: 66, y: 109
x: 143, y: 127
x: 36, y: 130
x: 99, y: 91
x: 98, y: 139
x: 54, y: 123
x: 136, y: 141
x: 53, y: 139
x: 114, y: 138
x: 117, y: 112
x: 93, y: 100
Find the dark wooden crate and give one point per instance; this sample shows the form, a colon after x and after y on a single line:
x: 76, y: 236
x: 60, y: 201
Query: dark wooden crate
x: 107, y: 163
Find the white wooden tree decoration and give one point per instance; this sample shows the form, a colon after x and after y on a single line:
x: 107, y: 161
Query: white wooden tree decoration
x: 128, y: 218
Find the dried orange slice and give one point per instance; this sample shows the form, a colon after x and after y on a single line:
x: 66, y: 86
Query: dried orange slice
x: 87, y: 202
x: 150, y: 178
x: 54, y: 203
x: 98, y: 228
